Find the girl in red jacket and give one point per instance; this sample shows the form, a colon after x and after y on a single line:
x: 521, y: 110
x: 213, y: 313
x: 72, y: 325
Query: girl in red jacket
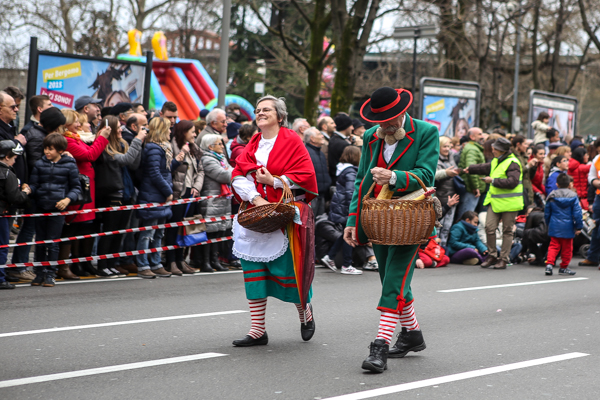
x: 579, y: 169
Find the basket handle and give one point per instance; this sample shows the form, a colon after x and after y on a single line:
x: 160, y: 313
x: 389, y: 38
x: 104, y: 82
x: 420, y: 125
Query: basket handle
x: 366, y: 196
x: 286, y: 194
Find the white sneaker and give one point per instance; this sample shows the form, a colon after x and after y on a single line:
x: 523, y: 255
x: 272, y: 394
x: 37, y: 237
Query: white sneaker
x: 371, y: 266
x: 329, y: 263
x: 351, y: 271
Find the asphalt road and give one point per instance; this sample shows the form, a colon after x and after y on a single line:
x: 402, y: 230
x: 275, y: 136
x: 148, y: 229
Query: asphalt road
x: 530, y: 341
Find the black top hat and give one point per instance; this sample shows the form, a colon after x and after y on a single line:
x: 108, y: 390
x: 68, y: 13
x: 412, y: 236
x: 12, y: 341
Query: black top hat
x: 385, y: 104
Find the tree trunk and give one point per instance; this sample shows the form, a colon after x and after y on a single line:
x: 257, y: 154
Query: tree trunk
x: 68, y: 33
x: 534, y: 39
x: 557, y: 42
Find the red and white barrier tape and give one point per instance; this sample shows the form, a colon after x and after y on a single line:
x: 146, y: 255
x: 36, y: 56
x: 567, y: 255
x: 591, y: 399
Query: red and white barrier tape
x: 117, y: 208
x: 121, y: 231
x: 113, y: 255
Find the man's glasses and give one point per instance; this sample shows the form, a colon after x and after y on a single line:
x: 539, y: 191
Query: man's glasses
x: 265, y: 110
x: 14, y: 107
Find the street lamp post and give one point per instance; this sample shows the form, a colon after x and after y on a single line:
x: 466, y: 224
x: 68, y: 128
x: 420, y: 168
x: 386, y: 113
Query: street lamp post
x: 516, y: 122
x: 224, y: 56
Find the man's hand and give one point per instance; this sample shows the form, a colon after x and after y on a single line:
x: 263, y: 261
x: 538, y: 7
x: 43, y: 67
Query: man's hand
x: 259, y: 201
x: 381, y: 176
x: 577, y: 232
x: 453, y: 200
x: 596, y: 183
x: 466, y: 170
x: 25, y: 188
x: 487, y: 179
x: 61, y: 205
x: 533, y: 162
x: 476, y: 192
x: 21, y: 139
x: 451, y: 172
x: 350, y: 236
x: 264, y: 176
x: 170, y: 198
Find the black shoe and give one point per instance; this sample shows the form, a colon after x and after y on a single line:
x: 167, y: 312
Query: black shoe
x: 489, y: 261
x: 78, y: 270
x: 377, y: 360
x: 38, y: 280
x: 248, y: 341
x: 214, y: 259
x: 11, y: 278
x: 49, y: 280
x: 89, y: 268
x: 566, y: 271
x: 105, y: 273
x: 205, y: 265
x: 236, y: 264
x: 407, y: 341
x: 307, y: 330
x: 6, y: 285
x: 549, y: 269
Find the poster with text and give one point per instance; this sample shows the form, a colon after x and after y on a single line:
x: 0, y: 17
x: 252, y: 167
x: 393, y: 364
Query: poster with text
x: 64, y: 79
x: 452, y: 115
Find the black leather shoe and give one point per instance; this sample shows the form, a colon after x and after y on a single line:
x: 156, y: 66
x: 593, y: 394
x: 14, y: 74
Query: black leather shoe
x: 407, y: 341
x: 307, y: 330
x: 6, y: 285
x: 248, y: 341
x: 491, y: 260
x: 235, y: 264
x: 377, y: 360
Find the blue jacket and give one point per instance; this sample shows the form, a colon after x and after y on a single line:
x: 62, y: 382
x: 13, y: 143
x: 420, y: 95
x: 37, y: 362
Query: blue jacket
x: 320, y: 163
x: 563, y: 214
x: 51, y: 182
x: 156, y: 183
x: 464, y: 236
x: 340, y: 202
x: 551, y: 181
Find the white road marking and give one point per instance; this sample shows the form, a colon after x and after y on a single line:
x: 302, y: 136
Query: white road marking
x: 512, y: 285
x: 106, y: 370
x: 367, y: 394
x: 135, y: 321
x: 129, y: 278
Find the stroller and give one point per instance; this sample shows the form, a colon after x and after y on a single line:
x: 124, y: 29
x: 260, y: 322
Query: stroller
x: 582, y: 242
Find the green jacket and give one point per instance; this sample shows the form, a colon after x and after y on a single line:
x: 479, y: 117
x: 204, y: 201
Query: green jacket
x: 472, y: 154
x: 418, y: 153
x: 526, y: 175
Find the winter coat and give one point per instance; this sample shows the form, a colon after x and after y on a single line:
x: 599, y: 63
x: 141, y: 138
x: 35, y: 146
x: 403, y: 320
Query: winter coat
x: 444, y: 184
x: 340, y: 202
x: 84, y: 156
x: 127, y: 134
x: 563, y: 214
x: 52, y: 182
x: 214, y: 176
x: 237, y: 147
x: 7, y: 132
x: 179, y: 173
x: 551, y: 181
x: 540, y: 129
x: 336, y: 147
x: 536, y: 229
x: 109, y: 171
x: 537, y: 178
x: 30, y: 124
x: 526, y: 175
x: 513, y: 173
x: 471, y: 154
x: 156, y: 182
x: 10, y: 192
x: 34, y: 149
x: 320, y: 163
x: 579, y: 172
x: 464, y: 236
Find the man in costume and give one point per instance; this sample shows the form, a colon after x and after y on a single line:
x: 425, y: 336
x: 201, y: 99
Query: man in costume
x: 279, y: 264
x: 399, y: 144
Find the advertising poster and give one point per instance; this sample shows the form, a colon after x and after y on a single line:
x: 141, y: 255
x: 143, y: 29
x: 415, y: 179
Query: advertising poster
x: 452, y: 110
x: 64, y: 79
x: 562, y: 114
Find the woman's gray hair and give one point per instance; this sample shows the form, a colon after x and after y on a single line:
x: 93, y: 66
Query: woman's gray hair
x: 208, y: 140
x: 280, y: 108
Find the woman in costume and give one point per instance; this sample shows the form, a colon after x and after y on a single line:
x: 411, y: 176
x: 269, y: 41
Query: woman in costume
x: 273, y: 262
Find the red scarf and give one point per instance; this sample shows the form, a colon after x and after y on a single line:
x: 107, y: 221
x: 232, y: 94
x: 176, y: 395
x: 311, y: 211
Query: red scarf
x: 289, y: 157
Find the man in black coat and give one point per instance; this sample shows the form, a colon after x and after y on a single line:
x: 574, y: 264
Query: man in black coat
x: 338, y: 142
x: 37, y: 104
x: 8, y: 113
x: 314, y: 140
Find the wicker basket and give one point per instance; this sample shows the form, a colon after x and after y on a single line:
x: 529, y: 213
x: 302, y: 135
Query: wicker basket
x: 269, y: 217
x: 397, y: 222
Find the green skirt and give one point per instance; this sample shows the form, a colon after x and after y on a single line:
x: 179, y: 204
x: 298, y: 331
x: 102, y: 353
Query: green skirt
x: 274, y: 278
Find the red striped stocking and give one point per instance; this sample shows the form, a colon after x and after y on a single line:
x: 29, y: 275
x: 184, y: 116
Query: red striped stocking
x: 408, y: 319
x: 309, y: 316
x: 257, y: 313
x: 387, y: 325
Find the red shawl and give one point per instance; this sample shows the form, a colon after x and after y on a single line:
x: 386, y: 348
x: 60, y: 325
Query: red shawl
x: 289, y: 157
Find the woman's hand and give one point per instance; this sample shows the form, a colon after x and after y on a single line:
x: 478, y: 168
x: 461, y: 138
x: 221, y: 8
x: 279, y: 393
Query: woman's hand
x: 453, y: 200
x: 259, y: 201
x: 105, y: 132
x: 186, y: 148
x: 181, y: 156
x: 66, y: 153
x: 264, y: 176
x: 451, y: 172
x: 195, y: 193
x: 420, y: 263
x: 170, y: 198
x: 532, y: 163
x: 141, y: 135
x: 61, y: 205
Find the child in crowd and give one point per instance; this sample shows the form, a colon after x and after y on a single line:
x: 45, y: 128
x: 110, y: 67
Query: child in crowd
x: 559, y: 165
x: 10, y: 195
x: 564, y: 219
x: 432, y: 254
x: 464, y: 245
x: 54, y: 185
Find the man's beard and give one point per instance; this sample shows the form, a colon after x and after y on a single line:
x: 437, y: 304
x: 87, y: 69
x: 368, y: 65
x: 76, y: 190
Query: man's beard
x: 398, y: 135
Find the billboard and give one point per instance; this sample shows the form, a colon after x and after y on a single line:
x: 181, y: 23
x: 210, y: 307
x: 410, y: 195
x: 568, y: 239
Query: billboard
x: 452, y: 106
x: 66, y: 77
x: 561, y: 109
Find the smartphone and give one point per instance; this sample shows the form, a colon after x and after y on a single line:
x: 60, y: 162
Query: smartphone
x: 106, y: 122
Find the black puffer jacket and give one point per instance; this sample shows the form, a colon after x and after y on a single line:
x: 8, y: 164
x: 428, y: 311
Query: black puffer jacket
x: 320, y: 163
x: 34, y: 149
x: 336, y: 147
x: 340, y: 202
x: 7, y: 132
x: 51, y: 182
x: 536, y: 229
x: 10, y: 192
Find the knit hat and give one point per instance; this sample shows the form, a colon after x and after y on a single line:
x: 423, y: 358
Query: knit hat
x: 342, y: 122
x: 51, y: 118
x: 233, y: 129
x: 575, y: 144
x: 204, y: 113
x: 120, y: 108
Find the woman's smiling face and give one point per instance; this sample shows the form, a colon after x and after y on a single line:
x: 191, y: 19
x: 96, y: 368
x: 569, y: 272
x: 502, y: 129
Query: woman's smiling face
x: 266, y: 115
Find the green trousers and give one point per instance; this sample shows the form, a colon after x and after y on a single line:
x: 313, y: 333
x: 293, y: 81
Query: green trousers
x: 396, y: 266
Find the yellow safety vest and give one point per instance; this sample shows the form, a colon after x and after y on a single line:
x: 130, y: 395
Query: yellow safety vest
x: 505, y: 200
